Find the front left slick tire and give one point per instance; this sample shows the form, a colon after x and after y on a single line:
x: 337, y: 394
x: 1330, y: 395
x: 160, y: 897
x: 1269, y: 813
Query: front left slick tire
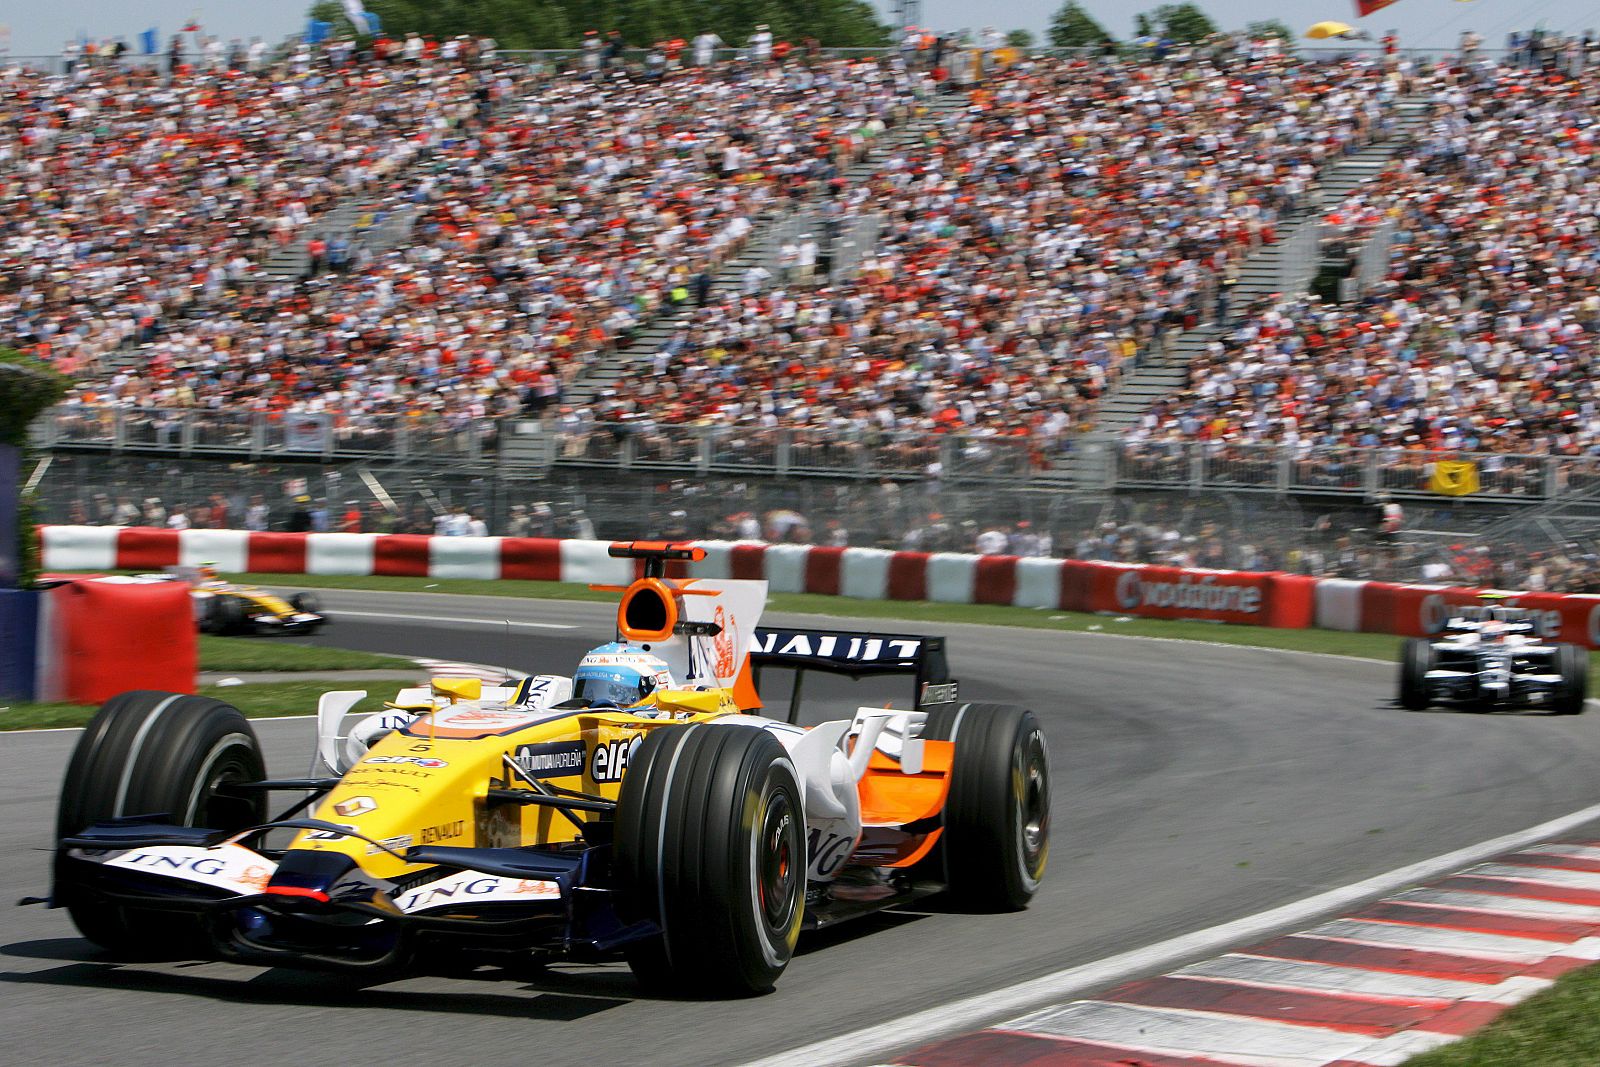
x: 150, y: 753
x: 710, y: 846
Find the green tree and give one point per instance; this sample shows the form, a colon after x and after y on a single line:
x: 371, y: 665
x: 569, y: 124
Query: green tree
x: 1180, y: 22
x: 561, y: 23
x: 1019, y: 39
x: 332, y: 12
x: 1073, y: 27
x: 1270, y: 28
x: 27, y: 387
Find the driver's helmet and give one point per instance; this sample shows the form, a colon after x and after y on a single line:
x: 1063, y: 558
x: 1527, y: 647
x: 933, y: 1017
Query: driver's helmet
x: 620, y: 675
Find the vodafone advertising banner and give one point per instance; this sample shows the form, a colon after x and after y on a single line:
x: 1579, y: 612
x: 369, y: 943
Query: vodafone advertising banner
x: 1422, y: 610
x: 1249, y: 597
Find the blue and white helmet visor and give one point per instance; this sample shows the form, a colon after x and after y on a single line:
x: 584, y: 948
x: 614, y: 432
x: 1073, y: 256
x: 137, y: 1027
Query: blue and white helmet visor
x: 614, y: 688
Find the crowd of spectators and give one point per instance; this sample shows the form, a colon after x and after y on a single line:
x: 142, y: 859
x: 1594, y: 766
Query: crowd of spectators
x: 1033, y: 243
x: 1031, y: 247
x: 1482, y: 338
x: 554, y: 212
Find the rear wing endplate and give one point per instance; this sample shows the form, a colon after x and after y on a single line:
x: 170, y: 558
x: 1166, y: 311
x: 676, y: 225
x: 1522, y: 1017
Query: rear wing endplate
x: 855, y: 655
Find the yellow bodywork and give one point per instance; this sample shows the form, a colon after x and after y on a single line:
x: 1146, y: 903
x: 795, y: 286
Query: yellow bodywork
x: 426, y: 785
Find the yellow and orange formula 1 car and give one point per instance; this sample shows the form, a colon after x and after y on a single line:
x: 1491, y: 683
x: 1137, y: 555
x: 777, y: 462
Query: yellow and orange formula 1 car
x: 638, y: 808
x: 228, y: 608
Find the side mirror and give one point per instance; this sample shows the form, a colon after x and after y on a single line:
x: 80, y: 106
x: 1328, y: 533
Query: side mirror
x: 455, y: 689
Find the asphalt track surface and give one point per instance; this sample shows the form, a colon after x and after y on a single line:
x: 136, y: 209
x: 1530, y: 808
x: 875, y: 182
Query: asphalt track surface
x: 1193, y: 785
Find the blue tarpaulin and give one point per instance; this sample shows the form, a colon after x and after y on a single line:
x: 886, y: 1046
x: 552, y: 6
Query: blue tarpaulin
x: 19, y: 635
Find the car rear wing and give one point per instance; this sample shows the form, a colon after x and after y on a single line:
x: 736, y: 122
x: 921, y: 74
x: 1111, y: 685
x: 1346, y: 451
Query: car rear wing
x: 855, y: 655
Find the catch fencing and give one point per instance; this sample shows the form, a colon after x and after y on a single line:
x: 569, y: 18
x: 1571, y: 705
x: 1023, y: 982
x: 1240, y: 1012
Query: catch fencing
x: 532, y: 448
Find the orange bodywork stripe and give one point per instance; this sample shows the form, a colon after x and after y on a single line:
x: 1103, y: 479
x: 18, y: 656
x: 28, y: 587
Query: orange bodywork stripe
x: 890, y: 797
x: 884, y: 846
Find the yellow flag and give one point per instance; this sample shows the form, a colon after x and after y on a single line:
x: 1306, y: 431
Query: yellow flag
x: 1454, y: 477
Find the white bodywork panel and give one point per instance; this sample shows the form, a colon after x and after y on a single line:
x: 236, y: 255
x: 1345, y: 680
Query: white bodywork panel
x: 830, y: 776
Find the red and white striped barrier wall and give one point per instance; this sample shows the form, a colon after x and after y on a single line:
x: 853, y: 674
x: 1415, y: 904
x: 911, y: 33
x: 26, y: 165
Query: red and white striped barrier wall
x: 862, y: 573
x: 1421, y: 610
x: 1252, y: 598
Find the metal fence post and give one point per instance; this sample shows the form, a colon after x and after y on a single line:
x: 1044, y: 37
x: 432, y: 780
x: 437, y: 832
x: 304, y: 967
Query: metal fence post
x: 1285, y: 468
x: 780, y: 455
x: 1552, y: 478
x: 1197, y: 466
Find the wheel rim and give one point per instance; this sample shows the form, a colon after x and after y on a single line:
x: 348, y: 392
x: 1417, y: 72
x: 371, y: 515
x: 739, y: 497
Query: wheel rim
x: 1030, y: 790
x: 214, y: 805
x: 777, y: 869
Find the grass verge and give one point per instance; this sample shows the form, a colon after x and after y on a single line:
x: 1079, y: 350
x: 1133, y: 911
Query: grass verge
x: 267, y: 700
x: 245, y: 654
x: 1557, y: 1028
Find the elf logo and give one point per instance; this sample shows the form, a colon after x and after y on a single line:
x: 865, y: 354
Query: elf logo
x: 610, y: 760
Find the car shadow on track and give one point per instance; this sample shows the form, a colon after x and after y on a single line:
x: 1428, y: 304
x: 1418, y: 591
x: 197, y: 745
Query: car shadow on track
x: 85, y: 967
x: 1451, y: 709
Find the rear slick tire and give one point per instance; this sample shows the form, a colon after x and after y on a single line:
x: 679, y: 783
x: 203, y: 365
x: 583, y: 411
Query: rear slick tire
x: 710, y: 846
x: 1416, y: 660
x: 154, y: 753
x: 996, y: 840
x: 1573, y: 663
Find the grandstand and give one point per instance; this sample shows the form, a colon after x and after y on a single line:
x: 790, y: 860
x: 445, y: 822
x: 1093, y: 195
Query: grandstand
x: 1077, y: 293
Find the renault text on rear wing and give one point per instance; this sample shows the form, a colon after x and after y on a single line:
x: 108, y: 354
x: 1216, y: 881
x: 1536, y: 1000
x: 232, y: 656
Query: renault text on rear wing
x: 856, y: 655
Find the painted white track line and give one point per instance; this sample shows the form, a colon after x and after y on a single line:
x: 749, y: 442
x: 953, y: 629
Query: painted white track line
x: 78, y: 729
x: 423, y: 619
x: 983, y: 1009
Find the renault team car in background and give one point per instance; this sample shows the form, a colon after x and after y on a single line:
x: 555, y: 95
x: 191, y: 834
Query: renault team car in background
x: 639, y: 808
x: 227, y: 608
x: 1492, y: 657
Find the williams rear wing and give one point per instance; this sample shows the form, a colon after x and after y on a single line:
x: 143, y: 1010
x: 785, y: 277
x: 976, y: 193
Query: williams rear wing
x: 855, y: 655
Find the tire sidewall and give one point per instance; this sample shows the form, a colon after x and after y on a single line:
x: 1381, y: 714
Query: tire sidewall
x: 777, y: 783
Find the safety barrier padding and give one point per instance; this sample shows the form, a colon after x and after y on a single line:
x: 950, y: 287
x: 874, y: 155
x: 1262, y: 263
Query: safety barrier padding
x: 1262, y: 599
x: 823, y: 567
x: 1038, y: 583
x: 79, y: 548
x: 1338, y: 604
x: 403, y: 555
x: 588, y: 561
x: 718, y: 562
x: 339, y: 553
x: 864, y: 573
x: 1290, y: 600
x: 228, y: 550
x: 786, y: 568
x: 1077, y: 585
x: 277, y: 553
x: 533, y: 559
x: 114, y: 635
x: 994, y: 580
x: 950, y: 577
x: 141, y: 548
x: 465, y: 557
x: 748, y: 561
x: 908, y: 576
